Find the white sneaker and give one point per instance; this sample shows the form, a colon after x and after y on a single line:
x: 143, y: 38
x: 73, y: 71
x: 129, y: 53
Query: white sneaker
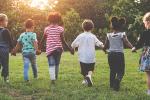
x: 84, y: 82
x: 89, y: 80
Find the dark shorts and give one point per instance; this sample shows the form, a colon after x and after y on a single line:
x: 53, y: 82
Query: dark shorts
x: 86, y: 67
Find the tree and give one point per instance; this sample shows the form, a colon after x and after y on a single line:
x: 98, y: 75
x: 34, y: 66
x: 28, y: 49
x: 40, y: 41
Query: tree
x: 72, y: 24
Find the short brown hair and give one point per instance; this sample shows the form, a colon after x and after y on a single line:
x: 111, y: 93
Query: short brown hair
x: 3, y: 17
x: 54, y: 18
x: 29, y: 23
x: 87, y: 25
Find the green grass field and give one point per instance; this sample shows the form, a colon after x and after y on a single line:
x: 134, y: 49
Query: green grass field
x: 68, y: 86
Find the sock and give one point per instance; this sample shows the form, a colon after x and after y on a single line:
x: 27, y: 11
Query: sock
x: 52, y: 72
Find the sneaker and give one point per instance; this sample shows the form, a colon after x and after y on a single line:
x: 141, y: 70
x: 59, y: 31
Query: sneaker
x: 89, y: 81
x: 27, y: 81
x: 84, y: 82
x: 116, y: 85
x: 6, y: 79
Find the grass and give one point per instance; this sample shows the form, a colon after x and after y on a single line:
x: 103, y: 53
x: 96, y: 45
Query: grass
x: 68, y: 86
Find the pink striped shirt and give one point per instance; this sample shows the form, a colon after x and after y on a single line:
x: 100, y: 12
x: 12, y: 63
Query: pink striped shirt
x: 53, y: 38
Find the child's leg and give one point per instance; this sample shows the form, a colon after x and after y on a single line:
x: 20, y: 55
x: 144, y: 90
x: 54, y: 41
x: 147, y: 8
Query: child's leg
x: 148, y: 79
x: 90, y: 69
x: 84, y: 72
x: 57, y: 59
x: 51, y: 61
x: 112, y: 77
x: 121, y: 67
x: 111, y: 61
x: 26, y: 67
x: 34, y: 65
x: 5, y: 62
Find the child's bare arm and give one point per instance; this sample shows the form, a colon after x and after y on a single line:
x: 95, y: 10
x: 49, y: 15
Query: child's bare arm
x: 65, y: 43
x: 38, y: 52
x: 14, y: 51
x: 35, y: 45
x: 42, y: 40
x: 106, y: 45
x: 126, y: 41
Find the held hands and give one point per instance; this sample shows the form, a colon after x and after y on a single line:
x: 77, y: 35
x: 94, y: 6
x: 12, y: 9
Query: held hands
x: 134, y: 50
x: 72, y: 51
x: 13, y: 52
x: 38, y: 52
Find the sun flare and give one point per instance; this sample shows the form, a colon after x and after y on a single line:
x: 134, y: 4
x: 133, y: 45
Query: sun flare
x: 43, y: 4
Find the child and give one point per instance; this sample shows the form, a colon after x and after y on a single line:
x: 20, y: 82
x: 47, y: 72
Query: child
x: 5, y: 45
x: 144, y: 41
x: 54, y: 35
x: 86, y: 43
x: 114, y: 43
x: 28, y: 41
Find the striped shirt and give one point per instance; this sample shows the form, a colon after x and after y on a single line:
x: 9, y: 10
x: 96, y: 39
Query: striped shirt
x: 53, y: 38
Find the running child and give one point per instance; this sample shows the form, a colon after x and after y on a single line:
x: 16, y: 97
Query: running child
x: 114, y: 44
x: 28, y: 42
x: 86, y: 42
x: 54, y: 36
x: 144, y: 42
x: 6, y: 44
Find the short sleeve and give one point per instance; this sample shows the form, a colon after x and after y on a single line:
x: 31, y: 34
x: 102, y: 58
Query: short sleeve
x: 45, y: 30
x: 108, y: 35
x: 61, y: 29
x: 97, y: 42
x: 123, y: 34
x: 76, y: 42
x: 20, y: 39
x: 34, y: 37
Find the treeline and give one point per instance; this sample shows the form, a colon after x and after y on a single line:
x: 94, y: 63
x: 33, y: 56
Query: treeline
x: 74, y: 11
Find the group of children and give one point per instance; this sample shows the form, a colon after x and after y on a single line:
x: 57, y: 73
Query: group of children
x: 85, y: 42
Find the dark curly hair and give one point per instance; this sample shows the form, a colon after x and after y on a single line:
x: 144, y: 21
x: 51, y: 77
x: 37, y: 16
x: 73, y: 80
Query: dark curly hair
x: 117, y: 23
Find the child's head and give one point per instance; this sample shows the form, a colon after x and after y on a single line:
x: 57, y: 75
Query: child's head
x: 29, y: 24
x: 54, y: 18
x: 117, y: 23
x: 146, y: 20
x: 87, y: 25
x: 3, y: 20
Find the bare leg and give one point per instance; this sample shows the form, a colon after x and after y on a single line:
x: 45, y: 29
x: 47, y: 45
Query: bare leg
x: 90, y: 73
x: 148, y: 79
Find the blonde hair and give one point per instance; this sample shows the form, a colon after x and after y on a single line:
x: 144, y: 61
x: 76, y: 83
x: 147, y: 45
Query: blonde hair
x: 3, y: 17
x: 146, y: 17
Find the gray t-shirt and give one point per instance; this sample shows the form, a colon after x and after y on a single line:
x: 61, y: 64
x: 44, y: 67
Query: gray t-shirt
x: 116, y: 41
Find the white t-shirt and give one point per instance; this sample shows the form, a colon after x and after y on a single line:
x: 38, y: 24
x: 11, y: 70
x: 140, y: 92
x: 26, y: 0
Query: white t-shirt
x: 116, y: 41
x: 86, y: 42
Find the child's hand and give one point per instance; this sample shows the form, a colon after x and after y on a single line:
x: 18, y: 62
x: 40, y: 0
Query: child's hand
x: 133, y: 49
x: 13, y: 53
x: 38, y: 52
x: 72, y: 51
